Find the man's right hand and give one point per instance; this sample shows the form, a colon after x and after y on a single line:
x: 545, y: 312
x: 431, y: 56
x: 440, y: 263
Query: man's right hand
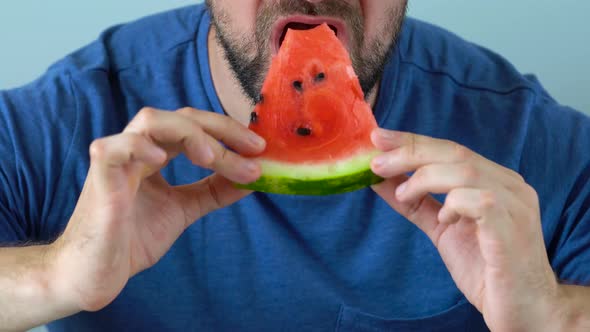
x: 128, y: 216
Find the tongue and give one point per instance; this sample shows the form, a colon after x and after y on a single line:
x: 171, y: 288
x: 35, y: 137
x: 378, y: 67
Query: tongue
x: 299, y: 26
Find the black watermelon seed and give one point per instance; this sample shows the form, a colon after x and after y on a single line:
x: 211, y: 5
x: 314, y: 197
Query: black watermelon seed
x: 298, y: 85
x: 320, y: 77
x: 253, y: 117
x: 260, y: 99
x: 303, y: 131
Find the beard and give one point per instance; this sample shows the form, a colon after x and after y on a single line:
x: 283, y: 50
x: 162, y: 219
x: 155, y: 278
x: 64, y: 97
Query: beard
x: 249, y: 55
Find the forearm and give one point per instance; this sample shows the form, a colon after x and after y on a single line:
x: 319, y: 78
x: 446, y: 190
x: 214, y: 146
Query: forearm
x: 574, y: 308
x: 28, y: 296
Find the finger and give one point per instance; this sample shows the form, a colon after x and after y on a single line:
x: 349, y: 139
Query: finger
x: 227, y: 130
x: 231, y: 165
x: 209, y: 194
x: 406, y: 152
x: 487, y: 208
x: 495, y: 224
x: 423, y: 213
x: 176, y: 132
x: 475, y: 204
x: 503, y: 221
x: 442, y: 178
x: 448, y: 215
x: 181, y: 126
x: 121, y: 149
x: 125, y: 158
x: 386, y: 140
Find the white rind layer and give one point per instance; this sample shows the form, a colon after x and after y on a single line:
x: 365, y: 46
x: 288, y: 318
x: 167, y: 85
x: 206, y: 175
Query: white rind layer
x: 319, y: 170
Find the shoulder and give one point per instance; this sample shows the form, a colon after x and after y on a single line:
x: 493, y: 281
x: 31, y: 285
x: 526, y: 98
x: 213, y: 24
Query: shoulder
x: 455, y: 89
x: 133, y: 43
x: 88, y: 81
x: 447, y: 80
x: 434, y: 51
x: 476, y: 96
x: 451, y: 88
x: 49, y: 123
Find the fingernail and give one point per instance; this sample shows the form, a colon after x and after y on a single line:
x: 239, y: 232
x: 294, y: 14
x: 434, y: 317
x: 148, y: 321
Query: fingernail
x: 379, y: 161
x: 159, y: 153
x: 256, y: 140
x: 208, y: 154
x: 250, y: 166
x: 401, y: 188
x: 384, y: 133
x: 385, y: 139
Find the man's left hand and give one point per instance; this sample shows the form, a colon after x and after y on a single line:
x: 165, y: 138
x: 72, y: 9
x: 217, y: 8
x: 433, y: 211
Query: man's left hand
x: 488, y: 231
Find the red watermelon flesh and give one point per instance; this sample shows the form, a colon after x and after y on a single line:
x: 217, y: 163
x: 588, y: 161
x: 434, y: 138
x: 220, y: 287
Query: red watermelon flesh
x: 332, y: 108
x: 313, y: 114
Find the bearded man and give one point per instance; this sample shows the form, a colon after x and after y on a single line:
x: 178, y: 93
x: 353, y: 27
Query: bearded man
x: 118, y: 210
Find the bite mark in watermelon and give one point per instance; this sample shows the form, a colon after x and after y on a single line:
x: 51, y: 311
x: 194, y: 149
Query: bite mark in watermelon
x: 315, y: 120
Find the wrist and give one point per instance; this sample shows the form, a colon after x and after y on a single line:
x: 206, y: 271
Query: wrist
x: 570, y: 313
x: 556, y: 312
x: 57, y: 282
x: 549, y: 310
x: 28, y: 295
x: 32, y: 277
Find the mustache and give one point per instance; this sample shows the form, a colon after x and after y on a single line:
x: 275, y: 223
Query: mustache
x: 341, y: 9
x: 303, y: 7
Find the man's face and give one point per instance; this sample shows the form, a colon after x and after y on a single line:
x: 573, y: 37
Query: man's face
x: 251, y: 31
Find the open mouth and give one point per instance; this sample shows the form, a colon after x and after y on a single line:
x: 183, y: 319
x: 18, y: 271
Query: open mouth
x: 305, y: 23
x: 301, y: 26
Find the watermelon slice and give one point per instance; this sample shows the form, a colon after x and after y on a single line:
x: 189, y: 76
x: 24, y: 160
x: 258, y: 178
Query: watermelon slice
x: 315, y: 120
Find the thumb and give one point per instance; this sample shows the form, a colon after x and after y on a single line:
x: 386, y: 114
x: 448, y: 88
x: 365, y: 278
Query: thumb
x: 207, y: 195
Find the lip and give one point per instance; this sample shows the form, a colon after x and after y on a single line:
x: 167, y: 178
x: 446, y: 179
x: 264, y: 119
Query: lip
x: 280, y: 24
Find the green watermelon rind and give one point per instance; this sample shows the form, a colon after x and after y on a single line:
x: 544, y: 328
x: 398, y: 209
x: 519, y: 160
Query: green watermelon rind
x: 330, y: 186
x: 315, y: 179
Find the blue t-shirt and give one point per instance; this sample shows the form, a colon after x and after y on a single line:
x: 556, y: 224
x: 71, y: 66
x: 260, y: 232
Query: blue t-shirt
x: 283, y: 263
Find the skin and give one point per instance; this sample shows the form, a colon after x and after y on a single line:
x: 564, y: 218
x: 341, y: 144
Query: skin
x: 127, y: 216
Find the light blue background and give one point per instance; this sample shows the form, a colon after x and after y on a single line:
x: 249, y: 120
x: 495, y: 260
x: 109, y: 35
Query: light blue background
x: 548, y: 38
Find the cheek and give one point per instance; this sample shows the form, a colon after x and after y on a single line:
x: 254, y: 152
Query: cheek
x: 240, y: 15
x: 375, y: 13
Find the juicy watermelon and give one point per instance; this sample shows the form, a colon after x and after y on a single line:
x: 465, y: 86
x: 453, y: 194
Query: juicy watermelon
x: 314, y: 118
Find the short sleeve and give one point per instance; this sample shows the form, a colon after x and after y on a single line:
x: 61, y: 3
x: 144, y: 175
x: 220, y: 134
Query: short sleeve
x: 12, y: 229
x: 571, y: 260
x: 556, y: 162
x: 37, y: 121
